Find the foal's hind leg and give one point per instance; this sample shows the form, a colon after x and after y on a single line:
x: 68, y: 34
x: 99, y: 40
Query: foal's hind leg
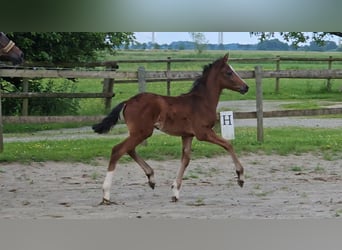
x: 147, y: 169
x: 186, y: 151
x: 117, y: 152
x: 210, y: 136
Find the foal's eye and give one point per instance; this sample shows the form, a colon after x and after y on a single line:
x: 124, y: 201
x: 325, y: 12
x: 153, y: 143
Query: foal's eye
x: 229, y: 73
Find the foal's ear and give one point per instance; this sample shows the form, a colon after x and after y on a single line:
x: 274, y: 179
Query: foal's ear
x: 225, y: 58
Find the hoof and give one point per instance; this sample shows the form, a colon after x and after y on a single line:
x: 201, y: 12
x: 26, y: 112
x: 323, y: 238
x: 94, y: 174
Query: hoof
x: 106, y: 202
x: 239, y: 181
x: 152, y: 184
x: 174, y: 199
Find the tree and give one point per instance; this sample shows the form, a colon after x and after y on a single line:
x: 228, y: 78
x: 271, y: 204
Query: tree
x: 326, y: 47
x: 57, y: 47
x: 200, y: 41
x: 54, y: 48
x: 273, y: 44
x: 298, y: 37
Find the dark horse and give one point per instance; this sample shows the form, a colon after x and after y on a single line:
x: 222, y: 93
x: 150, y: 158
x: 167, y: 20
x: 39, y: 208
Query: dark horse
x: 189, y: 115
x: 9, y: 51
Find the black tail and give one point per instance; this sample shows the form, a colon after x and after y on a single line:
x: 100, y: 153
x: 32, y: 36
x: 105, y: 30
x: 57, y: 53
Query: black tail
x: 108, y: 122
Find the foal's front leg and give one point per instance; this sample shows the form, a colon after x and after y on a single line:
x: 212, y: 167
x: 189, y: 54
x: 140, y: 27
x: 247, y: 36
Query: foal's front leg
x: 186, y: 151
x: 210, y: 136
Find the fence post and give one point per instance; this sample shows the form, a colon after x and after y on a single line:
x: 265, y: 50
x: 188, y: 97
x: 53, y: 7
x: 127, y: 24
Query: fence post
x: 141, y: 79
x: 329, y: 79
x: 277, y: 78
x: 259, y: 106
x: 168, y: 81
x: 142, y: 87
x: 108, y: 85
x: 1, y: 131
x: 24, y: 110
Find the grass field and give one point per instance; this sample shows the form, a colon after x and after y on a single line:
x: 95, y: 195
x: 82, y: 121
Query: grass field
x: 283, y: 141
x: 298, y: 89
x: 280, y: 141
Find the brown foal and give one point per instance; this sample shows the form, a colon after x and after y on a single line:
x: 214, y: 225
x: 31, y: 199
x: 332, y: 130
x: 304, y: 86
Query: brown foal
x: 189, y: 115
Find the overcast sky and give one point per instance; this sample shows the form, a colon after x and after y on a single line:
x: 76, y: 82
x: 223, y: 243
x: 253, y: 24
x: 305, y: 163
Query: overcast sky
x: 212, y: 37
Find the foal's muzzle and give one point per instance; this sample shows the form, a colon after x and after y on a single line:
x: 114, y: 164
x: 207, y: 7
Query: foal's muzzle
x: 244, y: 89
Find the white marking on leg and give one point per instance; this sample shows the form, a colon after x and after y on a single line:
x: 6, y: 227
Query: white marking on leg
x: 175, y: 190
x: 107, y: 185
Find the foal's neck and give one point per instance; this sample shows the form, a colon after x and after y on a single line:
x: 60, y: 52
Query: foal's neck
x: 210, y: 95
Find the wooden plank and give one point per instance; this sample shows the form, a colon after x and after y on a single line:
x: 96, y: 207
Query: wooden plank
x: 302, y: 112
x: 20, y: 95
x: 237, y: 115
x: 50, y: 119
x: 308, y: 59
x: 44, y: 73
x: 115, y: 64
x: 305, y: 74
x: 165, y: 75
x: 289, y: 113
x: 150, y: 75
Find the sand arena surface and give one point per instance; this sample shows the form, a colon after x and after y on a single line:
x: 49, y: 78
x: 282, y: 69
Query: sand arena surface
x: 295, y: 186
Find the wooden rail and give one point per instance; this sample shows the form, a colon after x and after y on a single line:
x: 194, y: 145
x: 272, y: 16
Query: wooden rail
x: 152, y: 76
x: 57, y: 95
x: 237, y: 115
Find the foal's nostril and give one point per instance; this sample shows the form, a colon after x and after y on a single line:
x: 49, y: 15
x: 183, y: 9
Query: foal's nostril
x: 244, y: 89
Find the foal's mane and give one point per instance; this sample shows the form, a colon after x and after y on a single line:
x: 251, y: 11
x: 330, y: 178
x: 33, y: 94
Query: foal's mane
x: 201, y: 80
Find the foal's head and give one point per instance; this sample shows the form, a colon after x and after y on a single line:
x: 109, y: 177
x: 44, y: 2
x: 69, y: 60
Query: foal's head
x: 9, y: 51
x: 224, y: 75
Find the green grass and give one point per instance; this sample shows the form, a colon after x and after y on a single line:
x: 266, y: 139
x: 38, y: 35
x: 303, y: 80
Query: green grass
x: 302, y: 105
x: 296, y: 168
x: 281, y: 141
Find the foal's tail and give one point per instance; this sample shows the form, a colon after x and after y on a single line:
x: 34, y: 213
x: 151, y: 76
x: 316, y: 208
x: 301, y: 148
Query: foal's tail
x: 108, y: 122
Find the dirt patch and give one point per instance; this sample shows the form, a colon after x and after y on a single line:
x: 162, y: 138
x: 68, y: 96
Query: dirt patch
x: 305, y: 186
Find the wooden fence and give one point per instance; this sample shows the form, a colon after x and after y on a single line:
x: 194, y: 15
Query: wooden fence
x: 111, y: 76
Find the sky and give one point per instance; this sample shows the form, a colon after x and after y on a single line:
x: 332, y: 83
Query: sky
x: 212, y: 37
